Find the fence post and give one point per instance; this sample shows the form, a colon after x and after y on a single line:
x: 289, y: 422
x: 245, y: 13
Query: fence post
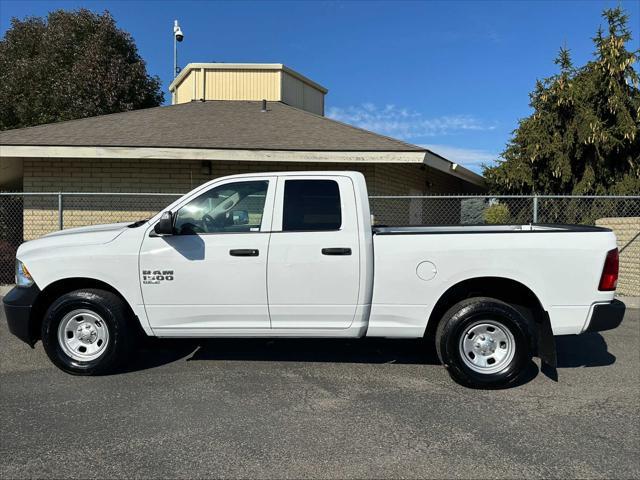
x: 535, y: 209
x: 60, y: 211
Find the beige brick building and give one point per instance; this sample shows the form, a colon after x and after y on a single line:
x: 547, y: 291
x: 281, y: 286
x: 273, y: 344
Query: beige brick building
x: 225, y: 119
x: 627, y: 230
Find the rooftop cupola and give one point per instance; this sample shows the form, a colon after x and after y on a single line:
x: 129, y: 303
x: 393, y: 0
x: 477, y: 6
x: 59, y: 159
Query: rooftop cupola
x: 247, y: 81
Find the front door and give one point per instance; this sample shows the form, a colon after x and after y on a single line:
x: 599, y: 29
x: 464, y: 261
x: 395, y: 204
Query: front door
x: 314, y: 256
x: 210, y: 275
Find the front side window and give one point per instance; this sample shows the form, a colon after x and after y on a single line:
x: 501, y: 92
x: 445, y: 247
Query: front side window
x: 233, y: 207
x: 311, y: 205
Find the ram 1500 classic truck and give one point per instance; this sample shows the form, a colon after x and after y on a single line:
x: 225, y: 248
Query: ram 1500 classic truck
x: 295, y: 255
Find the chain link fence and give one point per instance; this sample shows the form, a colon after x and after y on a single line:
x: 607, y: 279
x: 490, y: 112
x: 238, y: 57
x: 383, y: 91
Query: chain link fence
x: 499, y: 209
x: 25, y: 216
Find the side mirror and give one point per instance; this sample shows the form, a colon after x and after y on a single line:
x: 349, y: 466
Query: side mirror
x: 240, y: 217
x: 165, y: 224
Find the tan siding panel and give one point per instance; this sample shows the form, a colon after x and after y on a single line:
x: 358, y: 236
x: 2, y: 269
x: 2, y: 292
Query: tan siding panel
x: 195, y: 85
x: 184, y: 91
x: 301, y: 95
x: 313, y: 100
x: 242, y: 85
x: 292, y: 91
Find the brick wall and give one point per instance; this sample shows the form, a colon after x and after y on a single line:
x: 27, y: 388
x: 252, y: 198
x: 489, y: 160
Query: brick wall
x: 179, y: 176
x: 627, y: 232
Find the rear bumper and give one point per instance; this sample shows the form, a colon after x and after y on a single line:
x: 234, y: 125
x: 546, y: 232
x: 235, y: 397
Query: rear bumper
x: 606, y: 316
x: 17, y: 308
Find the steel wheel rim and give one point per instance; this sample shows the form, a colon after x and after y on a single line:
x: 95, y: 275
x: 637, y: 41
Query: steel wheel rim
x: 487, y: 346
x: 83, y: 335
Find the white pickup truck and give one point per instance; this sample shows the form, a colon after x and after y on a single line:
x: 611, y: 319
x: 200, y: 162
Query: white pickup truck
x: 295, y: 255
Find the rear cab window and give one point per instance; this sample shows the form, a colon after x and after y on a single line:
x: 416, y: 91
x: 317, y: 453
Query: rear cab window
x: 311, y: 205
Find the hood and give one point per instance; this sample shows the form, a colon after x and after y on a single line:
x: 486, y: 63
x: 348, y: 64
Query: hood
x: 107, y: 231
x: 73, y: 237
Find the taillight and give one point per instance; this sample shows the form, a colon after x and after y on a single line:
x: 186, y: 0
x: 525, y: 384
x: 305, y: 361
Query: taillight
x: 609, y: 277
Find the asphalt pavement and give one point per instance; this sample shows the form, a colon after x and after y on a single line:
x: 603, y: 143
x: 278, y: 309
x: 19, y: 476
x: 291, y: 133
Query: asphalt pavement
x: 369, y: 408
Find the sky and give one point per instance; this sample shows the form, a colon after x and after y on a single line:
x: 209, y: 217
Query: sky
x: 453, y: 76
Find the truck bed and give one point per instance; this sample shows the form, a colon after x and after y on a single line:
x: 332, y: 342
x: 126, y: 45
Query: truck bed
x: 416, y: 264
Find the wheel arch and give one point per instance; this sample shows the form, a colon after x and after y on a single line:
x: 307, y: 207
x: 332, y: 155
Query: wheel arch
x: 501, y: 288
x: 65, y: 285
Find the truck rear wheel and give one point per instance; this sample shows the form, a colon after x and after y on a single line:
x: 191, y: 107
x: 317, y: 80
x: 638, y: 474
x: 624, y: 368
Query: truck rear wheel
x: 484, y: 342
x: 87, y: 332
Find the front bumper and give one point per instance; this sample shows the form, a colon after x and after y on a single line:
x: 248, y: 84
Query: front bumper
x: 17, y: 308
x: 606, y: 316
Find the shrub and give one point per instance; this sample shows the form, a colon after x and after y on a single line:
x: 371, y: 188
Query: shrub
x: 497, y: 214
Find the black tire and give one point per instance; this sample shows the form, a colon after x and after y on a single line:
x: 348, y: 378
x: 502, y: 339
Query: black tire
x: 461, y: 319
x: 116, y: 316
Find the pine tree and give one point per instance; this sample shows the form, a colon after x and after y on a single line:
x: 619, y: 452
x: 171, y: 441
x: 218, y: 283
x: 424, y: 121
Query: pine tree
x: 583, y: 135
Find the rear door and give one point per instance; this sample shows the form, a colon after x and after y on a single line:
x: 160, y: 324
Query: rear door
x: 313, y: 263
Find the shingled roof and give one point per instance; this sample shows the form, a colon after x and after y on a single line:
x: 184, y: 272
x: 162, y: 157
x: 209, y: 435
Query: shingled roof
x: 238, y: 125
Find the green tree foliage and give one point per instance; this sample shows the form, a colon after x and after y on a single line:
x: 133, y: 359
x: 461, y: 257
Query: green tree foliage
x: 73, y: 64
x: 583, y: 136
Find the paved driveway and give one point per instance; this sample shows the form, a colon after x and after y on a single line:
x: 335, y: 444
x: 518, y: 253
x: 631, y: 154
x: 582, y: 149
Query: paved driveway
x: 311, y: 408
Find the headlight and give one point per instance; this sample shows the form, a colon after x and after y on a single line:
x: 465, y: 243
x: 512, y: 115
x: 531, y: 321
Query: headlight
x: 23, y: 277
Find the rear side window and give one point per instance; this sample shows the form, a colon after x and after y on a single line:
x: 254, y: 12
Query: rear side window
x: 311, y: 205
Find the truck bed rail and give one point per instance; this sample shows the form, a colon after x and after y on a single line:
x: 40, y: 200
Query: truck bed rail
x: 449, y: 229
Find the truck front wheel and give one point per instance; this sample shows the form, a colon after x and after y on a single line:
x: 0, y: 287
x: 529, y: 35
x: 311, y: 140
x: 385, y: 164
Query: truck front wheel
x: 87, y: 332
x: 484, y: 342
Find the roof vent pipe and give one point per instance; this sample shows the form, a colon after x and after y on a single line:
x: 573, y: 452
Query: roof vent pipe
x: 264, y: 105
